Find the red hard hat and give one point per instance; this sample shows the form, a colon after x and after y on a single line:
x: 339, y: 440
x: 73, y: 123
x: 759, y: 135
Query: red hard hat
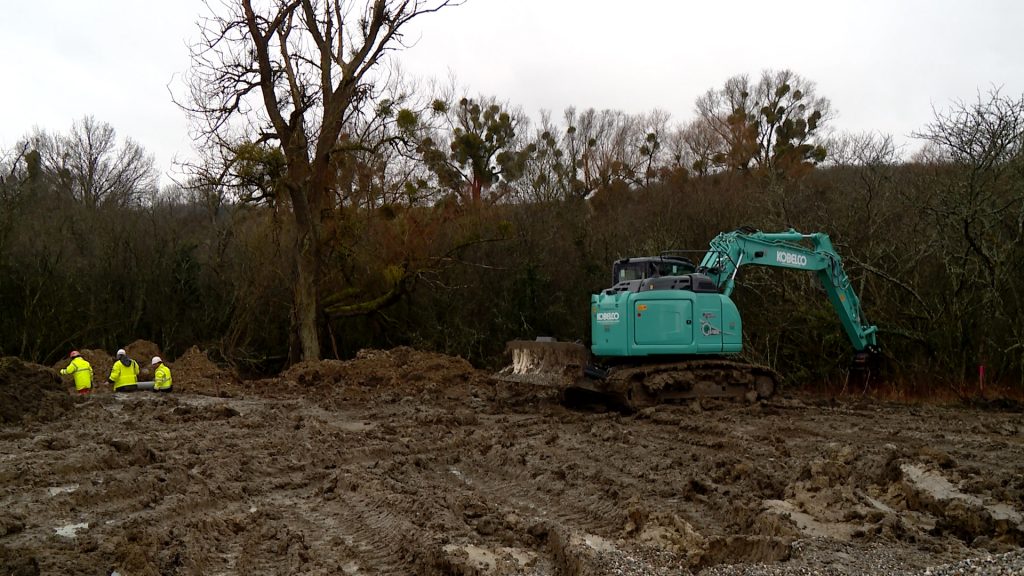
x: 74, y: 354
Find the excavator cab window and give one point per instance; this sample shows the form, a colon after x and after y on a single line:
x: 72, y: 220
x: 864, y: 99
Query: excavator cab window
x: 672, y: 268
x: 631, y: 270
x: 650, y: 267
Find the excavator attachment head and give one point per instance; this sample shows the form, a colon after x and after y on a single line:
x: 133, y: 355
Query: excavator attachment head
x: 545, y: 362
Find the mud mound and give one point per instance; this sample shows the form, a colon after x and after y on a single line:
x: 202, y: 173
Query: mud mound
x: 310, y: 374
x: 30, y: 391
x: 142, y: 351
x: 401, y: 370
x: 195, y: 372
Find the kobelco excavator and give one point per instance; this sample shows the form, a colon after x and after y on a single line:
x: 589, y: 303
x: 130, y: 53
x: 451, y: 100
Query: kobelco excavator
x: 665, y: 329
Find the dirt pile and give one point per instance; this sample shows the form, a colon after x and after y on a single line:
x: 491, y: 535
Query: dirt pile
x: 388, y: 375
x: 195, y: 372
x: 142, y: 351
x: 30, y: 391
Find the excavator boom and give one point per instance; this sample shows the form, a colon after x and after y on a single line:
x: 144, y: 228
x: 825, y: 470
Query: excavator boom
x: 731, y: 250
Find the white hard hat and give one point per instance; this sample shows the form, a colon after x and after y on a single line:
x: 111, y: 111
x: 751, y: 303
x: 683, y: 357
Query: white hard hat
x: 120, y: 352
x: 156, y: 360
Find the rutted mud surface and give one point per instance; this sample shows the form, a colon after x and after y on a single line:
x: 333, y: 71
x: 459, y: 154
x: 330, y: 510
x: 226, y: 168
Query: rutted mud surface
x: 402, y: 462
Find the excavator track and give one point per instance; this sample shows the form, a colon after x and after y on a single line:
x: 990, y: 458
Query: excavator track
x: 640, y: 386
x: 567, y: 367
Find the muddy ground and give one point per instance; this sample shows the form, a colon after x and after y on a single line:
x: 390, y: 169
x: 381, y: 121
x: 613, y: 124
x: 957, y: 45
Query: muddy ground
x: 403, y: 462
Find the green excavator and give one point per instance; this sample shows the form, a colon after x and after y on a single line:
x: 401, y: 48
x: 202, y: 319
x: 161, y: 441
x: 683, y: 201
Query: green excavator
x: 668, y: 330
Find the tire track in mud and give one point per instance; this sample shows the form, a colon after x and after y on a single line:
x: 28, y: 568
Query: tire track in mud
x: 375, y: 538
x: 431, y: 485
x: 340, y: 504
x: 372, y: 505
x: 631, y: 475
x: 286, y: 515
x: 378, y: 499
x: 421, y: 484
x: 579, y: 511
x: 611, y: 481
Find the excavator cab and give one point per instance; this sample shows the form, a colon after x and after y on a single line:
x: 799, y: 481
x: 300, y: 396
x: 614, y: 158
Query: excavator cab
x: 628, y: 269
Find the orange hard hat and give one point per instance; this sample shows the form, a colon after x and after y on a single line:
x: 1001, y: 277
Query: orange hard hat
x: 74, y: 354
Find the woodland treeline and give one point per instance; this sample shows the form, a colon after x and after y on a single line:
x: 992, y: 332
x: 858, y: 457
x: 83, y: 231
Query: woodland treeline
x: 456, y: 224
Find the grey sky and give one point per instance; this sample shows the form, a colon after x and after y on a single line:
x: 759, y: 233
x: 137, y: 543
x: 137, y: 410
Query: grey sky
x: 884, y: 64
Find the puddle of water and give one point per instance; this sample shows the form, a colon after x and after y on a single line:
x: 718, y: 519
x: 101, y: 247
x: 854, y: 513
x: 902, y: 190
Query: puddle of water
x: 65, y: 489
x: 1006, y: 512
x: 70, y: 530
x: 598, y: 543
x: 458, y: 474
x: 487, y: 560
x: 354, y: 426
x: 479, y: 558
x: 810, y: 525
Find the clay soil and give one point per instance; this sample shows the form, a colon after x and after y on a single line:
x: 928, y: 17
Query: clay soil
x: 404, y: 462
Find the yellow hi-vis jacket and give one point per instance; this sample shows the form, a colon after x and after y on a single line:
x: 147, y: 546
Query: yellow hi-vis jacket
x: 162, y: 377
x: 82, y: 371
x: 122, y: 375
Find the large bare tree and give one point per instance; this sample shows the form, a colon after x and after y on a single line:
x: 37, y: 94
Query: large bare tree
x: 974, y: 199
x: 90, y: 167
x: 292, y: 74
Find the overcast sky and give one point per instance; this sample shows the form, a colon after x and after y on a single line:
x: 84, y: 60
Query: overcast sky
x: 883, y: 64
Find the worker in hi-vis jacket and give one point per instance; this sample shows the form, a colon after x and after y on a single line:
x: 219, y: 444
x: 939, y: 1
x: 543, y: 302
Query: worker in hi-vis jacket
x: 81, y: 370
x: 125, y: 373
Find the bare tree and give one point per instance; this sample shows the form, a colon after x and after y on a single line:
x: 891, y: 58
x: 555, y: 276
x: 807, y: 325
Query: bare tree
x: 976, y: 196
x: 607, y: 146
x: 91, y: 167
x: 693, y: 147
x: 651, y: 144
x: 292, y: 73
x: 549, y: 176
x: 16, y: 165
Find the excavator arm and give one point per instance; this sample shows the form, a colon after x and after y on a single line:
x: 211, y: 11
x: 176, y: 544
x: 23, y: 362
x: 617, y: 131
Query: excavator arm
x: 791, y: 249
